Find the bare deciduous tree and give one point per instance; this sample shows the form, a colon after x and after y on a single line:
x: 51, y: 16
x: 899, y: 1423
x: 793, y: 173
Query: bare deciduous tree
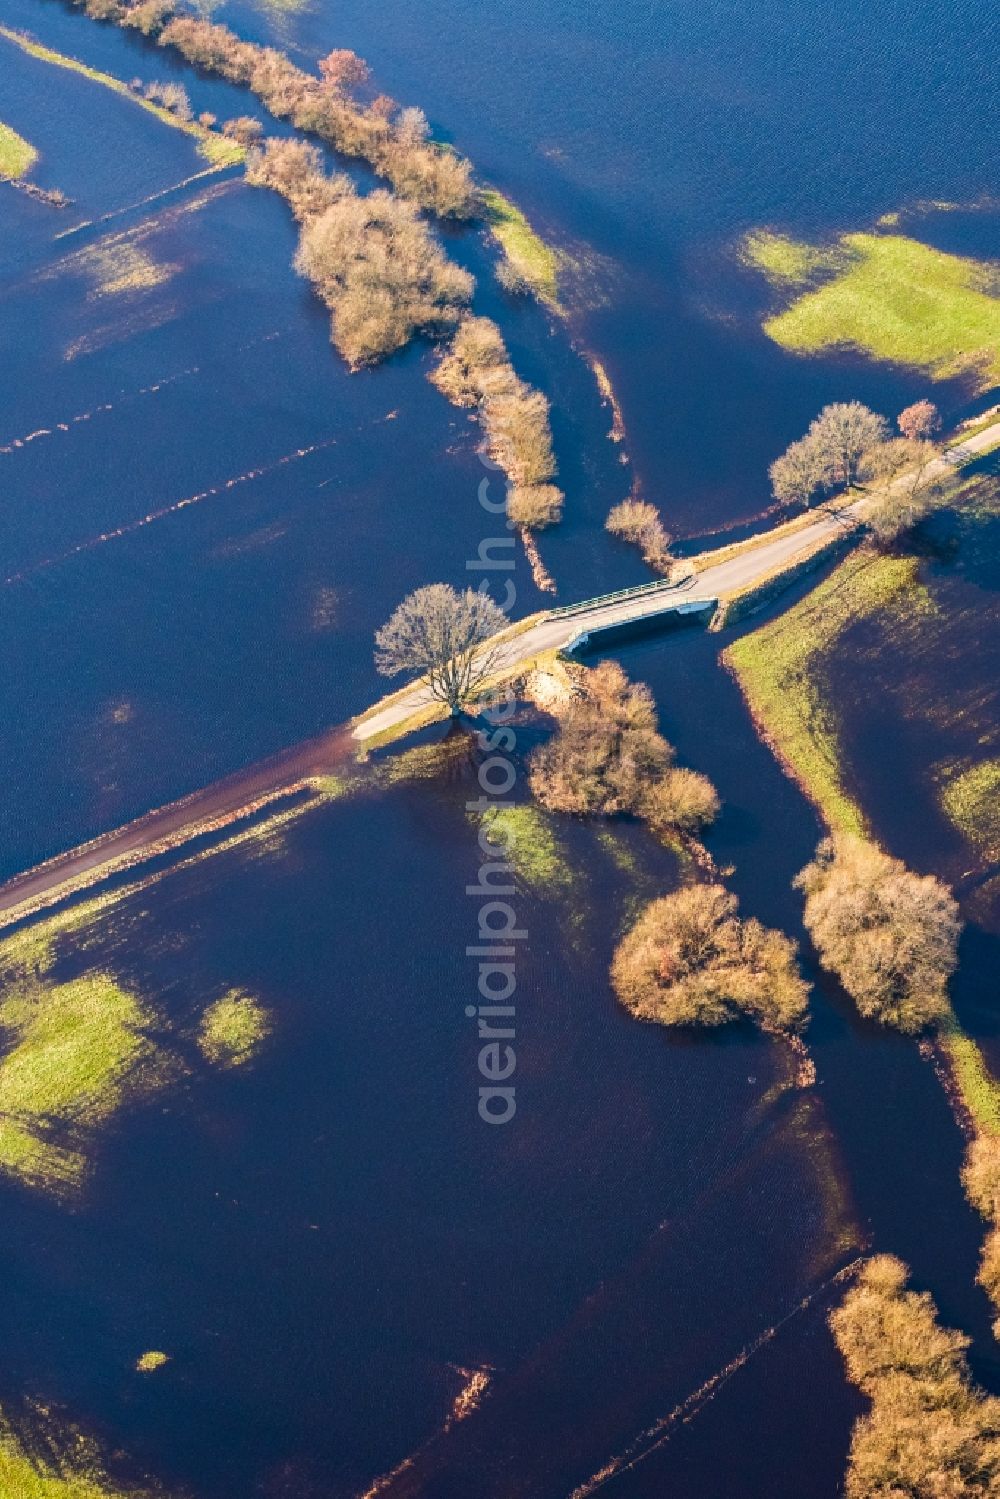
x: 343, y: 68
x: 843, y: 434
x: 891, y: 936
x: 444, y: 635
x: 920, y: 421
x: 802, y: 472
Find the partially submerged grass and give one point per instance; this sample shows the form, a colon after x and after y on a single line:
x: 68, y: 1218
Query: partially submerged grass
x: 776, y: 667
x: 149, y: 1362
x: 75, y: 1051
x: 212, y: 146
x: 971, y: 799
x: 17, y: 155
x: 53, y: 1464
x: 533, y: 261
x: 977, y: 1089
x: 532, y: 846
x: 788, y: 262
x: 233, y: 1029
x: 891, y: 298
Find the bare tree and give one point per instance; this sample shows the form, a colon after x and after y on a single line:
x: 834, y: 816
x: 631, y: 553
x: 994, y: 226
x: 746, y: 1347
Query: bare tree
x: 343, y: 68
x: 445, y: 636
x: 920, y: 421
x: 844, y: 434
x: 802, y: 471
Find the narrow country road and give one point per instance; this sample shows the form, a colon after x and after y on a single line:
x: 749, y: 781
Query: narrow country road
x: 240, y: 795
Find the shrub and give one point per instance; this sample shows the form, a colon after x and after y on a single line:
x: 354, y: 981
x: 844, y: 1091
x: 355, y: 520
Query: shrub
x: 476, y: 371
x: 476, y: 355
x: 436, y: 178
x: 172, y: 96
x: 342, y: 68
x: 890, y: 935
x: 532, y: 507
x: 607, y: 751
x: 294, y: 169
x: 981, y: 1175
x: 149, y: 17
x: 518, y: 434
x: 683, y: 800
x: 638, y: 522
x: 930, y: 1433
x: 375, y: 264
x: 689, y: 960
x: 919, y: 421
x: 989, y: 1266
x: 244, y: 129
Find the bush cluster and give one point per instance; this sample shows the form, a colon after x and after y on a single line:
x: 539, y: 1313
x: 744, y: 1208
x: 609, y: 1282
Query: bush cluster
x: 981, y: 1179
x: 891, y: 936
x: 608, y: 757
x: 393, y: 142
x: 930, y: 1433
x: 373, y: 259
x: 638, y: 522
x: 832, y: 453
x: 476, y: 372
x: 690, y: 960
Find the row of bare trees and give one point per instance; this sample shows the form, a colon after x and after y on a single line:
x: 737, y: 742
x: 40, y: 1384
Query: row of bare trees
x: 848, y: 445
x: 394, y: 141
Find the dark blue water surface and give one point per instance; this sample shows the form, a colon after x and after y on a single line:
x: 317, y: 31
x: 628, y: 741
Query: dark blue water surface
x: 210, y: 519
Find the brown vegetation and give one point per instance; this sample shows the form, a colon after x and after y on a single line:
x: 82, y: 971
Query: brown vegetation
x: 930, y: 1433
x: 981, y: 1180
x: 920, y: 421
x: 608, y: 757
x: 681, y: 801
x: 434, y: 177
x: 889, y: 935
x: 607, y: 752
x: 373, y: 260
x: 476, y: 372
x: 638, y: 522
x: 831, y: 454
x: 690, y: 960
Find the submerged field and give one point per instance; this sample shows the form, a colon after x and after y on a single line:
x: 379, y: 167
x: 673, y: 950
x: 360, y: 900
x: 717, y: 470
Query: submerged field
x: 888, y: 296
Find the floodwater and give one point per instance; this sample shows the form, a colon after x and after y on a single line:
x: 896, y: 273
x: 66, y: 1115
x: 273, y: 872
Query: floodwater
x: 210, y: 520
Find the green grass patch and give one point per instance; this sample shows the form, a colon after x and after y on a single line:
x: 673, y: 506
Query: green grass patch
x: 532, y: 260
x: 212, y: 146
x: 776, y: 667
x: 17, y: 155
x: 233, y: 1029
x: 532, y: 846
x: 789, y: 262
x: 979, y: 1092
x: 73, y: 1052
x: 971, y: 800
x: 893, y: 299
x: 41, y: 1460
x: 149, y: 1362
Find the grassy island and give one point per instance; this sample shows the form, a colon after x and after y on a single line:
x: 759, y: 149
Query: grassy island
x: 888, y: 296
x: 17, y: 155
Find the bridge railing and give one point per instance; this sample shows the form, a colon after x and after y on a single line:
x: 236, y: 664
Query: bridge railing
x: 641, y: 590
